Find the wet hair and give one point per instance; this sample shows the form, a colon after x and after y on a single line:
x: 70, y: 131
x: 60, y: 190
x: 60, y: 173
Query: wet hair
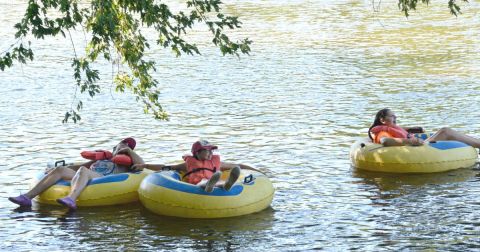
x: 380, y: 114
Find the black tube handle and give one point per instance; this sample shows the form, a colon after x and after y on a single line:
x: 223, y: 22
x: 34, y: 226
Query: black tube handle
x: 60, y: 162
x: 248, y: 179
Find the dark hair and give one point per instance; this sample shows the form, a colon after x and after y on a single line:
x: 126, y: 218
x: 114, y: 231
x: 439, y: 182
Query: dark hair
x: 380, y: 114
x: 196, y: 154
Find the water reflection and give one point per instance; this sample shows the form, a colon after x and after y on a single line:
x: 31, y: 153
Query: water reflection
x: 318, y: 72
x: 195, y: 228
x: 226, y: 234
x: 391, y: 185
x: 406, y: 209
x: 133, y: 227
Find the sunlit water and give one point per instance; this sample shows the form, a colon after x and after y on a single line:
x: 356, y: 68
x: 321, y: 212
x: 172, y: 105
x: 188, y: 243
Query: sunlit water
x: 318, y: 72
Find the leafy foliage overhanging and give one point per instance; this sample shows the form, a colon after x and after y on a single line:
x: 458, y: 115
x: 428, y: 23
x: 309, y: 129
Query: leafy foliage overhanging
x: 407, y: 5
x: 114, y: 28
x: 115, y: 25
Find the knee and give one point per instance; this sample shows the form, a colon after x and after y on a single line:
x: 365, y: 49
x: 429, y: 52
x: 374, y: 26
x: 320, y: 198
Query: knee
x: 445, y: 130
x: 57, y: 171
x: 82, y: 171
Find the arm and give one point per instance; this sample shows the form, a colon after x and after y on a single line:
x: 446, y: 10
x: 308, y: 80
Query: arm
x: 179, y: 167
x: 159, y: 167
x: 153, y: 167
x: 136, y: 159
x: 228, y: 166
x: 390, y: 141
x: 414, y: 130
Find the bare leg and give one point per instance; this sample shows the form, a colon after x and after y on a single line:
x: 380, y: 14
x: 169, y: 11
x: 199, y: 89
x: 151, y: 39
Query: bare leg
x: 202, y: 183
x: 450, y: 134
x: 80, y: 181
x: 209, y: 184
x: 232, y: 178
x: 50, y: 179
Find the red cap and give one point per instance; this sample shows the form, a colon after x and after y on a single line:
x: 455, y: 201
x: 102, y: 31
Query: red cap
x: 202, y: 145
x: 130, y: 142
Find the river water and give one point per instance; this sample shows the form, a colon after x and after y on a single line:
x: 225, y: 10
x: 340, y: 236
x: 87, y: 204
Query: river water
x: 317, y: 74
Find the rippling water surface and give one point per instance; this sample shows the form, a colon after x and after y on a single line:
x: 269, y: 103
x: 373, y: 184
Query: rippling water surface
x: 318, y: 72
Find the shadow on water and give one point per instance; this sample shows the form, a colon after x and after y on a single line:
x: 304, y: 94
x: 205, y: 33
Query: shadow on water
x: 417, y: 212
x: 173, y: 226
x: 138, y: 228
x: 391, y: 185
x: 225, y: 234
x: 42, y: 211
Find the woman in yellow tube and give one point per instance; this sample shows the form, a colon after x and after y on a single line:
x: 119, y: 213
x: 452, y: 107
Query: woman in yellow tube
x: 385, y: 131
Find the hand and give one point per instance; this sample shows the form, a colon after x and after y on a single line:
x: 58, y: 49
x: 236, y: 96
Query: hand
x: 138, y: 167
x: 415, y: 141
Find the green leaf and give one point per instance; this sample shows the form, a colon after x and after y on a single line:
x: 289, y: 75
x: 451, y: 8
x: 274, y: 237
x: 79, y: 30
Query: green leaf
x: 114, y: 32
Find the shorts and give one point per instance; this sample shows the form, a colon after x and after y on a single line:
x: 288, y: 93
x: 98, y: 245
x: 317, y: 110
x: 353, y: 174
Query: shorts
x: 104, y: 167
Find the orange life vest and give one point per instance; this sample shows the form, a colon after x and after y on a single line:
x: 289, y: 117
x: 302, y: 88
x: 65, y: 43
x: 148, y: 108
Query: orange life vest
x: 96, y: 155
x: 200, y: 169
x: 120, y: 159
x: 392, y: 131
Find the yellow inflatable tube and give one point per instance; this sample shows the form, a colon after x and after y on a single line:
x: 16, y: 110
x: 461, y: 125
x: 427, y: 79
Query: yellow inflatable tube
x: 109, y: 190
x: 439, y: 156
x: 165, y: 194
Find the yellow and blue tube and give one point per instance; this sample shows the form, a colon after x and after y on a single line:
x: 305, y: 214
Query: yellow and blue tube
x: 164, y: 193
x: 109, y: 190
x: 432, y: 157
